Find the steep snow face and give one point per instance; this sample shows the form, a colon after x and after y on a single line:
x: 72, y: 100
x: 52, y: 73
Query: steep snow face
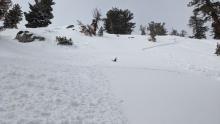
x: 42, y: 83
x: 175, y: 80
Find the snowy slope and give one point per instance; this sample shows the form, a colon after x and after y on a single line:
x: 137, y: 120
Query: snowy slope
x: 173, y: 81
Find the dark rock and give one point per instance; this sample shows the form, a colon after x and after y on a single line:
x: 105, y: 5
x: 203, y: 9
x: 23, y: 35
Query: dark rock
x: 131, y: 37
x: 70, y: 26
x: 115, y: 60
x: 39, y: 38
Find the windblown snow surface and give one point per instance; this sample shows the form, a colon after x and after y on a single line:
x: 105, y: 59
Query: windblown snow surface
x: 173, y: 81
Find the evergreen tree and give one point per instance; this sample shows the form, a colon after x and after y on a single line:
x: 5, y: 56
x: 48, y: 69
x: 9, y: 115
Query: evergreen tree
x: 197, y: 24
x: 143, y: 29
x: 40, y: 14
x: 4, y: 6
x: 119, y: 21
x: 13, y: 17
x: 183, y: 33
x: 174, y: 32
x: 101, y: 31
x: 210, y: 10
x: 156, y: 29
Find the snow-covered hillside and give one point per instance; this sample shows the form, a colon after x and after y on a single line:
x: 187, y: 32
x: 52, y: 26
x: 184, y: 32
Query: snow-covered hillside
x: 173, y: 81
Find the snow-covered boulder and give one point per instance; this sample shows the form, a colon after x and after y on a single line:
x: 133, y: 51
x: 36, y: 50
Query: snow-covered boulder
x: 26, y: 36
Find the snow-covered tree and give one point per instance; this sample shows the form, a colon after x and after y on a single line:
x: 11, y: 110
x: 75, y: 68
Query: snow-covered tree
x: 13, y: 17
x: 40, y: 14
x: 4, y: 6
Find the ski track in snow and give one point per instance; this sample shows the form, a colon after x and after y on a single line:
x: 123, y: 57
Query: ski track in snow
x: 206, y: 71
x: 174, y: 41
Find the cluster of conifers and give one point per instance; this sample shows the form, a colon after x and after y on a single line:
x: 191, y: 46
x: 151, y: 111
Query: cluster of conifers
x: 117, y: 21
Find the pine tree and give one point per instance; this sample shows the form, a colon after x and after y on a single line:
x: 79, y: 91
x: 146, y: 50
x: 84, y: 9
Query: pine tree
x: 40, y: 14
x: 143, y: 29
x: 156, y: 29
x: 183, y: 33
x: 4, y: 6
x: 174, y: 32
x: 119, y: 21
x: 210, y: 10
x: 101, y: 31
x: 197, y: 24
x: 13, y: 17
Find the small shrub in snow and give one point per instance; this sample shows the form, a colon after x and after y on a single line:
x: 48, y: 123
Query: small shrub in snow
x: 86, y: 29
x: 96, y: 19
x: 218, y: 50
x: 183, y: 33
x: 2, y: 28
x: 152, y: 37
x: 90, y: 30
x: 63, y: 41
